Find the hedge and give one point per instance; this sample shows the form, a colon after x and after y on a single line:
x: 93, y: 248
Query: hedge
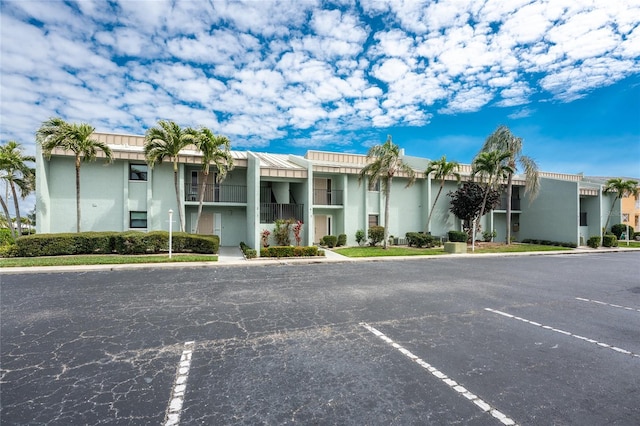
x: 549, y: 243
x: 609, y: 240
x: 458, y: 236
x: 290, y: 251
x: 420, y: 240
x: 130, y: 242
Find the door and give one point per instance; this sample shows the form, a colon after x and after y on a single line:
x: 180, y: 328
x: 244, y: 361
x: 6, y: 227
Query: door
x: 217, y: 225
x: 322, y: 226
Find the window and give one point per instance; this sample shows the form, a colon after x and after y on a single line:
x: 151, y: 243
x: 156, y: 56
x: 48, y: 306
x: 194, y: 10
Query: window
x: 137, y: 219
x: 138, y: 172
x: 583, y: 218
x: 625, y: 217
x: 373, y: 220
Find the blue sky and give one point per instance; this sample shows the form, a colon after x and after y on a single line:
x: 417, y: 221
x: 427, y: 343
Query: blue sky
x: 288, y: 76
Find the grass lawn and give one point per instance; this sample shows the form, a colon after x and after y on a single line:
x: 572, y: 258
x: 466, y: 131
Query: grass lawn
x: 103, y: 259
x: 412, y: 251
x: 632, y: 244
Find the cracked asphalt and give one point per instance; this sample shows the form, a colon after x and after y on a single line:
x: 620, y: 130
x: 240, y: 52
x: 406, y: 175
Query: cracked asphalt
x: 285, y: 344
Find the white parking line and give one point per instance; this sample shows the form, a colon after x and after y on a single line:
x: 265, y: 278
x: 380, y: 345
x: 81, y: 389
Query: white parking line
x: 607, y: 304
x: 172, y: 417
x: 444, y: 378
x: 566, y: 333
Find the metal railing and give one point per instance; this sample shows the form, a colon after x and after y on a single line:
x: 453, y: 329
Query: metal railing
x: 328, y: 197
x: 515, y: 204
x: 214, y: 193
x: 270, y: 212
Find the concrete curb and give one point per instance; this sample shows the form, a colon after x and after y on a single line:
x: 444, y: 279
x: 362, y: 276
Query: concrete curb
x: 331, y: 258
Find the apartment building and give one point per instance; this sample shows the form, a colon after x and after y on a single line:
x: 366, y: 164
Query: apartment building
x: 321, y: 189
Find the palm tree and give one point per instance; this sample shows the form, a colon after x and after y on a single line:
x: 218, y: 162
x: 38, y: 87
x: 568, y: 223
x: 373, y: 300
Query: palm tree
x: 491, y: 166
x: 384, y: 164
x: 215, y: 149
x: 16, y: 173
x: 441, y: 169
x: 166, y: 140
x: 503, y: 140
x: 57, y: 133
x: 622, y: 188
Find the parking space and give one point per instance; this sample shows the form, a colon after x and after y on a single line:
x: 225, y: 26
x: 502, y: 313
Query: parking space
x: 409, y: 342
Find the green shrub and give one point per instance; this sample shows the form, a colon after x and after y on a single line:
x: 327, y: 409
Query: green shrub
x: 594, y: 242
x: 376, y: 235
x: 609, y: 240
x: 487, y: 236
x: 249, y: 253
x: 419, y: 240
x: 636, y: 236
x: 360, y: 237
x: 130, y: 242
x: 342, y: 240
x: 621, y: 228
x: 457, y: 236
x: 330, y: 240
x: 5, y: 237
x: 282, y: 232
x: 290, y: 251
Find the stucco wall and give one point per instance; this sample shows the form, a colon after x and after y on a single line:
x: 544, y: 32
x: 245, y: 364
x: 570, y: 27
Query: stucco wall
x: 553, y: 215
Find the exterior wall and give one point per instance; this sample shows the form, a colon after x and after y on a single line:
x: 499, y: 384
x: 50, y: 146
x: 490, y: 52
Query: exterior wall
x: 442, y: 220
x: 162, y: 198
x: 631, y: 208
x: 253, y: 203
x: 609, y: 206
x: 355, y: 207
x: 405, y: 209
x: 553, y: 215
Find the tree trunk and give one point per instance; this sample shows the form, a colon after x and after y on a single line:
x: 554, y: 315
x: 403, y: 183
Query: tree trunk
x: 6, y: 213
x: 17, y: 210
x: 434, y: 205
x: 77, y: 193
x: 387, y: 195
x: 179, y: 204
x: 509, y: 191
x: 610, y: 212
x: 201, y: 198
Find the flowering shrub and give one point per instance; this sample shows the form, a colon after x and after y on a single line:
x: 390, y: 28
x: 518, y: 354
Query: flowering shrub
x: 265, y: 237
x: 297, y: 228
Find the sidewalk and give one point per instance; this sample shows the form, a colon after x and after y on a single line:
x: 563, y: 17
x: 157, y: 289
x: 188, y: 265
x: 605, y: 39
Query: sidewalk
x: 230, y: 256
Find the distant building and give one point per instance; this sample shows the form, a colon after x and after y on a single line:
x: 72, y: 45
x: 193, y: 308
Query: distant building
x: 321, y: 189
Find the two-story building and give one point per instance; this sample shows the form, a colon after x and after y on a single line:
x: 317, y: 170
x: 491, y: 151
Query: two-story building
x: 322, y: 189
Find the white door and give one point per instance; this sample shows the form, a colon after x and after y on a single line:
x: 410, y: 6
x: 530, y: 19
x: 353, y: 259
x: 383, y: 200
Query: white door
x: 217, y: 225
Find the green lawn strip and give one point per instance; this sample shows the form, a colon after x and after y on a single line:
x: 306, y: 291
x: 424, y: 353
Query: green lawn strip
x: 103, y: 260
x: 411, y: 251
x: 632, y: 244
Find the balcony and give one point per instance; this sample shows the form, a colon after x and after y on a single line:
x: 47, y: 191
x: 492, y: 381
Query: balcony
x: 270, y: 212
x: 515, y: 204
x: 327, y: 197
x: 217, y: 193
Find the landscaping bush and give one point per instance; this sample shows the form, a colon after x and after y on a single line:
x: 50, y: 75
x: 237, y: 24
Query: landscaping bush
x: 594, y: 242
x: 282, y: 232
x: 609, y: 240
x: 457, y: 236
x: 330, y: 240
x: 376, y: 235
x: 621, y: 228
x: 5, y: 237
x: 342, y: 240
x: 360, y: 237
x: 552, y: 243
x: 249, y: 253
x: 636, y: 236
x: 419, y: 240
x: 130, y: 242
x: 290, y: 251
x: 487, y: 236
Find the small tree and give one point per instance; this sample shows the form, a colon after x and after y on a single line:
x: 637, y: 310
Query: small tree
x: 467, y: 202
x: 282, y: 232
x: 622, y: 188
x: 441, y: 169
x: 297, y: 229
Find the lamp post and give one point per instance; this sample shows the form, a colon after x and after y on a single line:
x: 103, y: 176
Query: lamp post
x: 170, y: 231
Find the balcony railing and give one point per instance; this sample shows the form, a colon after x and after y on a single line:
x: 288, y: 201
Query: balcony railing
x: 327, y: 197
x: 270, y: 212
x: 214, y: 193
x: 515, y: 204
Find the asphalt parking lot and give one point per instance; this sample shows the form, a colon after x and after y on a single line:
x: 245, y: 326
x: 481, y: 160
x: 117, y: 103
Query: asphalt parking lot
x: 534, y: 340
